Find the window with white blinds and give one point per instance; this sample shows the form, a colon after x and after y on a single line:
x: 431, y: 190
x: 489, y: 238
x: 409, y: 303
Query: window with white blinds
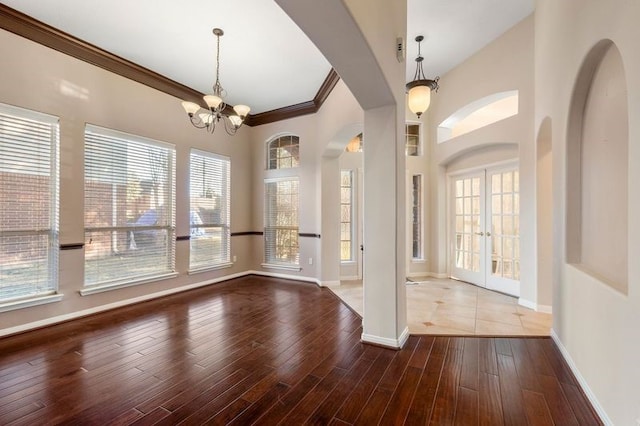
x: 28, y: 203
x: 129, y: 205
x: 281, y: 222
x: 416, y: 216
x: 209, y: 217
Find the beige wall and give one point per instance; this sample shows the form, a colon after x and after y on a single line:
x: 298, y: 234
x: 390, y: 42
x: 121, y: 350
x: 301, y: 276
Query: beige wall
x: 595, y: 324
x: 504, y: 64
x: 41, y: 79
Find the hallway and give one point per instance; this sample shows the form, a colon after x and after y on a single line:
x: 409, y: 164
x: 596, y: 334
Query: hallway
x: 450, y: 307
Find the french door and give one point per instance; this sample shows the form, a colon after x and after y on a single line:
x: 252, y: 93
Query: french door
x: 485, y: 240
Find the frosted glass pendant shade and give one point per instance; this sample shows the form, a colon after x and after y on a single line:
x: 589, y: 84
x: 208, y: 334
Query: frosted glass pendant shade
x: 419, y: 99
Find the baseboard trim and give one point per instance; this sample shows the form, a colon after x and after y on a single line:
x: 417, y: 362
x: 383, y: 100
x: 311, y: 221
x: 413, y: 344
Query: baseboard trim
x: 581, y: 380
x: 545, y: 309
x: 438, y: 275
x: 329, y: 283
x: 286, y: 277
x: 102, y: 308
x: 349, y: 278
x: 385, y: 341
x: 418, y: 274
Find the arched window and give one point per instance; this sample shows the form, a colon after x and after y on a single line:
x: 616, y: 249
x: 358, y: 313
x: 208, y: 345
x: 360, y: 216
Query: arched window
x: 283, y: 152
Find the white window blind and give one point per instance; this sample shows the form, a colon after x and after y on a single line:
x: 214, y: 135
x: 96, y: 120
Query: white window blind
x: 346, y: 215
x: 209, y: 190
x: 416, y: 216
x: 281, y: 222
x: 28, y: 203
x: 129, y: 207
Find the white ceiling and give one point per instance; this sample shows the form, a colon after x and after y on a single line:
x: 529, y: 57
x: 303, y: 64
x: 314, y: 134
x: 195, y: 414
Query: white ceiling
x: 266, y: 61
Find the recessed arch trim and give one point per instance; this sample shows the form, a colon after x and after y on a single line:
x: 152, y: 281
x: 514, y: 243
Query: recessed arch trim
x: 479, y: 113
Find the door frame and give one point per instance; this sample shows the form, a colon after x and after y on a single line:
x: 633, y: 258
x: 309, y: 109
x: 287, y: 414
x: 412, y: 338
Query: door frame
x: 450, y: 210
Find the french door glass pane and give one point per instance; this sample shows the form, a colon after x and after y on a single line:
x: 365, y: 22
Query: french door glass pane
x: 505, y: 239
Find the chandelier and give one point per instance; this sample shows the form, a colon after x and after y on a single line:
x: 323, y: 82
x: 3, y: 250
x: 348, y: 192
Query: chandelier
x: 217, y: 111
x: 419, y: 90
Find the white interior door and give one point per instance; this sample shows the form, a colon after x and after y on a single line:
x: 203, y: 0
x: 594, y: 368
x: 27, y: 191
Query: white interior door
x: 468, y: 228
x: 485, y: 238
x: 503, y: 263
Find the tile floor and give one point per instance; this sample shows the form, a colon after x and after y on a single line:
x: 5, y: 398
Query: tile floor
x: 444, y: 306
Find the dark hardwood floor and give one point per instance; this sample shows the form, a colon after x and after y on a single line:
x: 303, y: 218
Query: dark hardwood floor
x: 267, y: 351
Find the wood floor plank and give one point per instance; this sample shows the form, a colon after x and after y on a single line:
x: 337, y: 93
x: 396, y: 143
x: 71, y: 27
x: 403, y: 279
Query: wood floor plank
x: 524, y: 366
x: 510, y: 392
x: 421, y: 354
x: 559, y: 407
x: 488, y: 358
x: 470, y: 364
x: 269, y: 399
x: 557, y: 362
x: 268, y: 351
x: 447, y: 394
x: 353, y: 405
x: 467, y: 408
x: 277, y: 412
x: 584, y: 412
x: 327, y: 410
x: 537, y: 410
x: 490, y: 401
x: 424, y: 398
x: 400, y: 402
x: 314, y: 398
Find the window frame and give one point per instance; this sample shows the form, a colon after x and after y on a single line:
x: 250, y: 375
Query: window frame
x: 225, y: 213
x: 278, y: 140
x: 49, y: 292
x: 272, y: 262
x: 418, y: 146
x: 169, y: 227
x: 419, y: 206
x: 351, y: 222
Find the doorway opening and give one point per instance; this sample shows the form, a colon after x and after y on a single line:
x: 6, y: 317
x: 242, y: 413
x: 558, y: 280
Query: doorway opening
x: 485, y: 228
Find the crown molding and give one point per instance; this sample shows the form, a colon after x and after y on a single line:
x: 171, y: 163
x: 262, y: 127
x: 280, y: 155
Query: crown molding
x: 297, y: 110
x: 25, y: 26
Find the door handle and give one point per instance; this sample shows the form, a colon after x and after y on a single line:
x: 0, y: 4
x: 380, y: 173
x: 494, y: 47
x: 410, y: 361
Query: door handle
x: 480, y: 233
x: 488, y: 234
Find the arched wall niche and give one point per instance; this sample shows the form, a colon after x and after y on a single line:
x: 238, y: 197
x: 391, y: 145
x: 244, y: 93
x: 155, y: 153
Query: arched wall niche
x: 597, y: 168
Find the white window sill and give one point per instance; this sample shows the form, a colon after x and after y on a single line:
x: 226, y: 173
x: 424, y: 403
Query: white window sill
x: 418, y: 261
x: 209, y: 268
x: 284, y: 267
x: 101, y: 288
x: 32, y: 301
x: 348, y: 262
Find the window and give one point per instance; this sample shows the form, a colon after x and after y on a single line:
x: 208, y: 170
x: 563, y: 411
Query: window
x: 28, y: 203
x: 479, y: 113
x: 209, y: 191
x: 416, y: 216
x: 129, y: 187
x: 355, y: 144
x: 412, y: 140
x: 346, y: 215
x: 281, y: 222
x: 283, y: 153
